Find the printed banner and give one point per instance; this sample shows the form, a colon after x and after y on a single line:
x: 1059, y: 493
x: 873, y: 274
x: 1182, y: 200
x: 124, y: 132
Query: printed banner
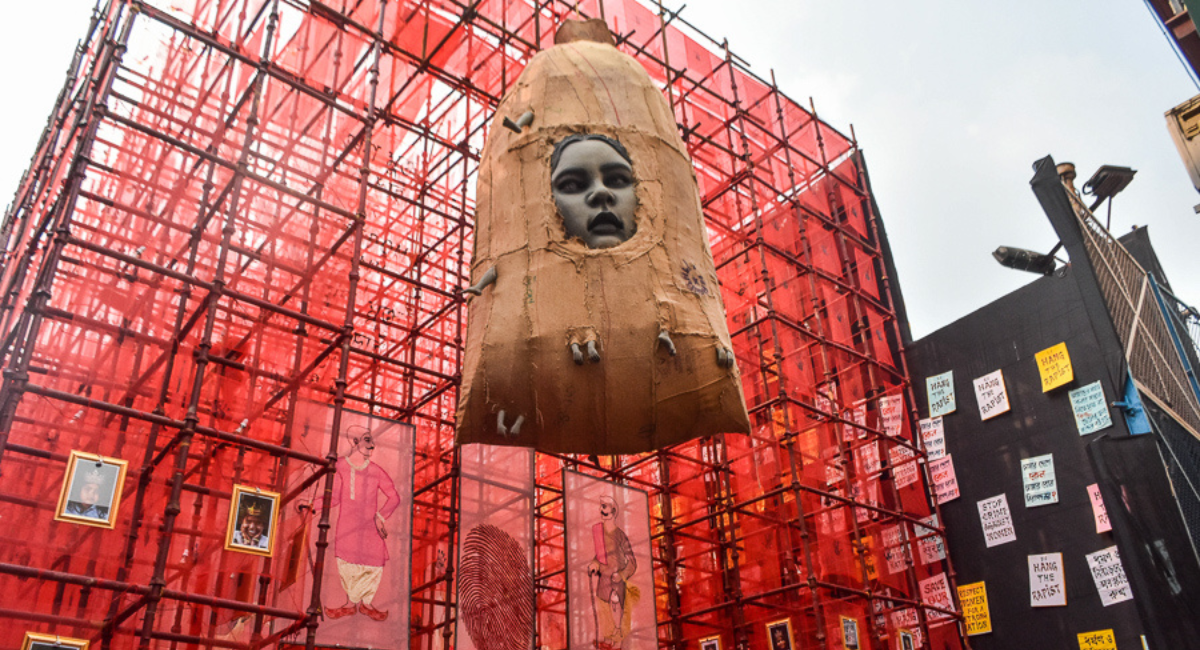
x: 1091, y: 408
x: 495, y: 548
x: 973, y: 599
x: 365, y: 585
x: 945, y: 482
x: 1054, y: 366
x: 996, y: 520
x: 1109, y: 576
x: 1047, y: 588
x: 933, y: 435
x: 940, y: 390
x: 1041, y: 486
x: 991, y: 396
x: 610, y: 578
x: 1098, y: 640
x: 1099, y: 512
x: 891, y: 411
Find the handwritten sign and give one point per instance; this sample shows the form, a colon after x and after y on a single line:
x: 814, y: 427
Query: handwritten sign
x: 1047, y: 588
x: 929, y: 542
x: 891, y: 411
x: 935, y: 592
x: 1090, y: 407
x: 1099, y: 512
x: 1054, y: 365
x: 996, y: 520
x: 858, y: 429
x: 895, y: 548
x: 973, y: 598
x: 904, y: 465
x: 1041, y: 486
x: 1098, y: 640
x: 1109, y: 576
x: 933, y: 434
x: 991, y: 396
x: 945, y: 482
x: 940, y: 390
x: 868, y: 459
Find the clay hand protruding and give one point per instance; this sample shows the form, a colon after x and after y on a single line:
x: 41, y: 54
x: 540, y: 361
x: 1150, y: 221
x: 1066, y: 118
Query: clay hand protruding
x: 593, y: 354
x: 513, y: 431
x: 724, y: 357
x: 525, y: 120
x: 489, y: 277
x: 665, y: 339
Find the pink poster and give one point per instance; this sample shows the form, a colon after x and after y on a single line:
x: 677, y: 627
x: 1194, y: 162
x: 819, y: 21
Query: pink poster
x: 365, y: 585
x: 1099, y: 512
x: 494, y: 573
x: 610, y: 582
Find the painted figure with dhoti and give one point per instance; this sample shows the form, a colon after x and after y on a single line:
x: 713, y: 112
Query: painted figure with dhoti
x: 609, y: 574
x: 360, y: 527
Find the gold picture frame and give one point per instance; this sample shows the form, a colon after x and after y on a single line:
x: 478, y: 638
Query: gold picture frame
x: 850, y: 639
x: 907, y: 641
x: 91, y: 490
x: 253, y: 521
x: 38, y: 641
x: 779, y: 635
x: 711, y: 642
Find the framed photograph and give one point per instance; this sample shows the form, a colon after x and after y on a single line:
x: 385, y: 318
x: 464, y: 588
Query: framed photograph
x: 710, y: 643
x: 36, y: 641
x: 906, y: 640
x: 780, y: 634
x: 253, y: 515
x: 849, y: 633
x: 91, y: 490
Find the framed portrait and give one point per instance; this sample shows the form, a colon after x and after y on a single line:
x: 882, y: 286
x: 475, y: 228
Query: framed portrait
x: 849, y: 633
x: 253, y: 515
x: 91, y: 490
x: 907, y: 641
x: 710, y: 643
x: 36, y: 641
x: 779, y: 635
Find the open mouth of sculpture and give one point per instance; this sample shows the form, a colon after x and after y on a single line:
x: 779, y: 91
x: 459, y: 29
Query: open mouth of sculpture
x: 606, y: 223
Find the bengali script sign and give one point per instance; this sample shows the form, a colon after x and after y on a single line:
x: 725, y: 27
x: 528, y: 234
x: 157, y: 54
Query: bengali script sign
x: 1090, y: 408
x: 1041, y: 486
x: 1098, y: 640
x: 1109, y: 576
x: 945, y: 482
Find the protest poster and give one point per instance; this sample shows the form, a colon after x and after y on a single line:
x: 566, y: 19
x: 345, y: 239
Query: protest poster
x: 895, y: 548
x: 1098, y: 640
x: 935, y: 592
x: 891, y: 411
x: 973, y: 600
x: 1109, y: 576
x: 929, y: 541
x: 1047, y: 588
x: 904, y: 465
x: 1090, y: 408
x: 991, y: 395
x: 945, y: 482
x: 933, y: 435
x: 996, y: 520
x: 1041, y: 486
x: 940, y: 391
x: 1054, y: 366
x: 1099, y: 512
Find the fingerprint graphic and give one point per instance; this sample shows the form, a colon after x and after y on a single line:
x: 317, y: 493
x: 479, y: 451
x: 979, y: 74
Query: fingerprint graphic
x: 495, y: 590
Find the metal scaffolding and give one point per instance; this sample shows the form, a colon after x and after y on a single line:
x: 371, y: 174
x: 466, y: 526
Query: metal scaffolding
x: 241, y: 206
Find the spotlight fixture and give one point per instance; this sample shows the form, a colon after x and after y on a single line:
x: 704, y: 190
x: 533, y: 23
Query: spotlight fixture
x: 1107, y: 182
x: 1026, y: 260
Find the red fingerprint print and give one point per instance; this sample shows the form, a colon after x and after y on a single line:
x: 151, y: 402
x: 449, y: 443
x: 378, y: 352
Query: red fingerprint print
x: 495, y: 590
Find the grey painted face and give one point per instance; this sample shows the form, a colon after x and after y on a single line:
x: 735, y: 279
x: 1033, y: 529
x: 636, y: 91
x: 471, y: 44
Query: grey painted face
x: 593, y: 188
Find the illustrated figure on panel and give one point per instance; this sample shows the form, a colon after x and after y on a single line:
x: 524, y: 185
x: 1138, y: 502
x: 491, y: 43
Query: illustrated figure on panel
x: 613, y: 595
x: 252, y: 523
x: 361, y: 525
x: 595, y: 320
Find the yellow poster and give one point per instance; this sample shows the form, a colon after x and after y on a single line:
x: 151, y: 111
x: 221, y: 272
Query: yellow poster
x: 1098, y: 640
x: 1054, y: 364
x: 973, y: 598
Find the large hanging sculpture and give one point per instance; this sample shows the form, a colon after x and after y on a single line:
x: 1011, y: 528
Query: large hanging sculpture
x: 595, y: 322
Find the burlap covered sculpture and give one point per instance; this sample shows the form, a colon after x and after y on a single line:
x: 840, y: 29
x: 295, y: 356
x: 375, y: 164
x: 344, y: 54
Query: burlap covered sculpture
x: 595, y: 323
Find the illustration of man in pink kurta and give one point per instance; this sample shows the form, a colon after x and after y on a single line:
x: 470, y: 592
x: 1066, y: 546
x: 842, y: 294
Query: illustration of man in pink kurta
x: 361, y: 525
x: 613, y: 595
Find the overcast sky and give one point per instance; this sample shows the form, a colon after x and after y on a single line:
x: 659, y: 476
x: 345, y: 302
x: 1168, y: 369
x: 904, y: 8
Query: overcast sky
x: 952, y: 102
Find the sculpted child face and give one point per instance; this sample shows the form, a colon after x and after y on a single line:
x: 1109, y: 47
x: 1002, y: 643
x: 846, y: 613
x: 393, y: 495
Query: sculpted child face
x: 593, y: 187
